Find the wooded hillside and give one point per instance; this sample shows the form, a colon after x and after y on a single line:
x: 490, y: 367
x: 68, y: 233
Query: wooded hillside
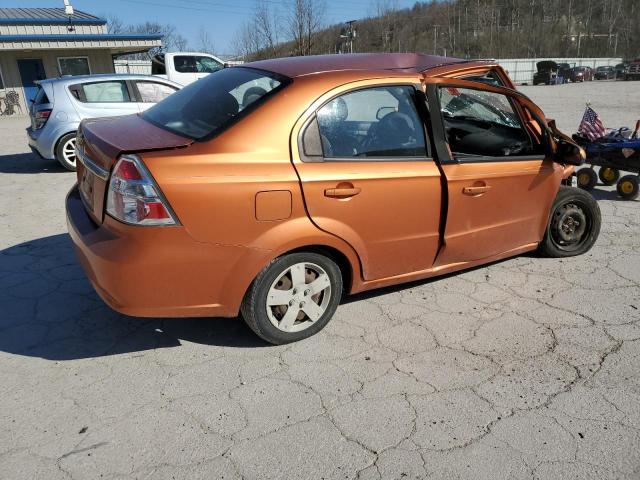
x: 461, y: 28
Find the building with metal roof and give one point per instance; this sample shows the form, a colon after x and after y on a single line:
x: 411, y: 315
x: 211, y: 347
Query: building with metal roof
x: 38, y: 43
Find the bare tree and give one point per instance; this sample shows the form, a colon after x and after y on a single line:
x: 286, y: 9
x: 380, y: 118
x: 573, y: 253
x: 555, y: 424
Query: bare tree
x: 266, y: 26
x: 115, y: 25
x: 246, y: 42
x: 304, y: 22
x: 205, y: 43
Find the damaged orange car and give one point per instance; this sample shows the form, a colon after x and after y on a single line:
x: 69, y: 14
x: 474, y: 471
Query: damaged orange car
x: 273, y: 188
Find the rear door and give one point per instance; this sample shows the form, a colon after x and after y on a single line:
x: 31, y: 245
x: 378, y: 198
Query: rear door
x: 106, y: 98
x: 500, y: 181
x: 368, y: 176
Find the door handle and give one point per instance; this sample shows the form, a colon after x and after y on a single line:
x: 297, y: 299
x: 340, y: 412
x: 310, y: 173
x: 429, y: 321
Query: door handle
x: 341, y: 192
x: 476, y: 190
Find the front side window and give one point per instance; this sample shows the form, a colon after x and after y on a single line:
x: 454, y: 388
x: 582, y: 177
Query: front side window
x: 372, y: 122
x: 481, y: 123
x: 154, y: 92
x: 106, y: 92
x: 74, y: 66
x: 196, y: 64
x: 208, y: 106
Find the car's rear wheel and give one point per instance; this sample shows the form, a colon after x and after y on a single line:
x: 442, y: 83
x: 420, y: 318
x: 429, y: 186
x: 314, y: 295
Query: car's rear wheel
x: 293, y: 298
x: 608, y: 175
x: 574, y: 224
x: 66, y: 151
x: 628, y: 187
x: 586, y: 179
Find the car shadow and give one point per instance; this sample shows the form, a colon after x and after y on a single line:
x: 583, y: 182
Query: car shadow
x: 49, y: 310
x: 29, y: 163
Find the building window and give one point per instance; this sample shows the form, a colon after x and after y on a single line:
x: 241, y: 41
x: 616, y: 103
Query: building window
x: 1, y: 79
x: 74, y: 65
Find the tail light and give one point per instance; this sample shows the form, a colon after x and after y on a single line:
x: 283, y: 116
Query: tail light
x: 134, y: 198
x: 41, y: 117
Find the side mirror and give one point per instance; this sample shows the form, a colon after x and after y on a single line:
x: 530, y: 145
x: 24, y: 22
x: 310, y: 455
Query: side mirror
x: 569, y: 153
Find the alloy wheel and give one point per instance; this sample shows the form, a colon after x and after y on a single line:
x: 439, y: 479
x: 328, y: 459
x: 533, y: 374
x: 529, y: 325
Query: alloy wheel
x: 69, y: 151
x: 298, y: 297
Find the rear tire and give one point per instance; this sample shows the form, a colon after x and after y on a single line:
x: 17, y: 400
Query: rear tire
x: 609, y: 175
x: 65, y: 151
x: 628, y: 187
x: 586, y: 179
x: 574, y: 224
x: 293, y: 298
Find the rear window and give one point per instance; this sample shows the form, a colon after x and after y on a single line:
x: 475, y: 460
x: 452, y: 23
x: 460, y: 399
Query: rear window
x: 212, y: 104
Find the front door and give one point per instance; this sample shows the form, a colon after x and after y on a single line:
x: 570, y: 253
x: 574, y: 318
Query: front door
x: 500, y: 181
x: 368, y: 177
x: 31, y: 69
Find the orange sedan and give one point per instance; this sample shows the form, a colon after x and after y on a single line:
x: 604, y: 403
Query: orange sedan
x: 272, y: 188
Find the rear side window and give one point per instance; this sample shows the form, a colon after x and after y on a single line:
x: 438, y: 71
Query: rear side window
x: 154, y: 92
x: 41, y: 97
x: 115, y: 91
x: 195, y: 64
x: 372, y: 122
x: 212, y: 104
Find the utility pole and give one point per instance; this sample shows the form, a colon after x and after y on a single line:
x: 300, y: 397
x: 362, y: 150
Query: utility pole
x: 435, y: 39
x: 350, y: 34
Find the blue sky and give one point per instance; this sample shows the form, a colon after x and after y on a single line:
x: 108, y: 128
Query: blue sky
x: 221, y: 18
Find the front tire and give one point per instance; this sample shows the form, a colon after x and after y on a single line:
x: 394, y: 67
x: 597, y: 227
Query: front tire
x: 293, y: 298
x: 574, y: 224
x: 66, y: 151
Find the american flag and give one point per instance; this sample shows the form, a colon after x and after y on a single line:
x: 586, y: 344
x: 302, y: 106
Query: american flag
x: 591, y: 125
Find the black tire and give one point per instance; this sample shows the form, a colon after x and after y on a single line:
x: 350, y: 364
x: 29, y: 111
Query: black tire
x: 254, y: 305
x: 586, y: 179
x: 573, y: 226
x: 62, y: 155
x: 609, y: 175
x: 628, y: 187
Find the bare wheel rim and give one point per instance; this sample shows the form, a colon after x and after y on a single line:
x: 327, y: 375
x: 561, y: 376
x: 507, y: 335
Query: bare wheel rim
x: 298, y: 297
x: 69, y: 151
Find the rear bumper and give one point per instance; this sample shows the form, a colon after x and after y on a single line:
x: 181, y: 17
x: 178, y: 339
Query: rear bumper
x: 38, y: 147
x: 153, y: 271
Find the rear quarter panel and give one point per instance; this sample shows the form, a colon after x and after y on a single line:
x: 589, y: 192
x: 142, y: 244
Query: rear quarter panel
x: 212, y: 188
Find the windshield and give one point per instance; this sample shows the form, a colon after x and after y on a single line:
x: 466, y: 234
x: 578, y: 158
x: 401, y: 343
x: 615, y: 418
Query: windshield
x: 212, y: 104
